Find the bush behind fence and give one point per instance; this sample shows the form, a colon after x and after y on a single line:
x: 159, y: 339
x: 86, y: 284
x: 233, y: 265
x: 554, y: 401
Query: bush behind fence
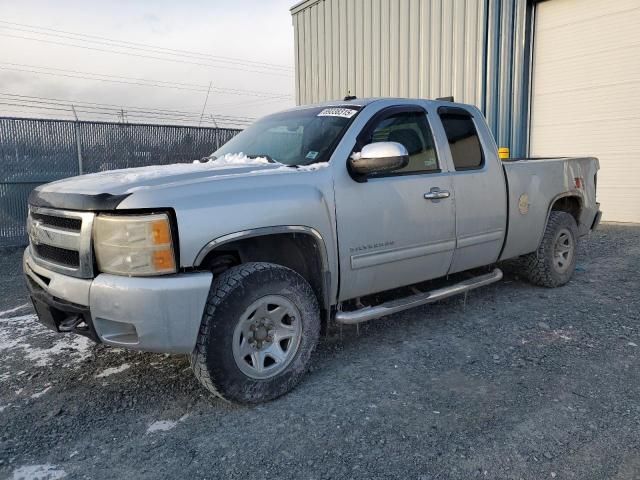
x: 35, y: 151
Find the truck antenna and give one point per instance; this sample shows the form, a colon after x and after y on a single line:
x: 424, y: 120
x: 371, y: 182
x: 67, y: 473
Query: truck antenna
x: 349, y: 96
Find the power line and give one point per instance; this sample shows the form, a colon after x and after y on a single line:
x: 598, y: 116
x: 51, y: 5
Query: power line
x: 142, y: 46
x: 105, y: 106
x: 114, y: 113
x: 66, y: 116
x: 45, y: 115
x: 251, y: 103
x: 110, y: 109
x: 181, y: 84
x: 20, y: 67
x: 122, y: 115
x: 52, y: 42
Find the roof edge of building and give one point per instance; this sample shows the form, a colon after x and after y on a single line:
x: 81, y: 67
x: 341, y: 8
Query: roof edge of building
x: 304, y: 4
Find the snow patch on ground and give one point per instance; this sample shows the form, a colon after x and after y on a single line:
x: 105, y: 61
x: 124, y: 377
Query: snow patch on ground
x: 19, y: 318
x: 113, y: 370
x: 13, y: 310
x: 12, y: 329
x: 77, y: 347
x: 41, y: 393
x: 23, y: 336
x: 165, y: 425
x: 38, y: 472
x: 161, y: 426
x: 4, y: 407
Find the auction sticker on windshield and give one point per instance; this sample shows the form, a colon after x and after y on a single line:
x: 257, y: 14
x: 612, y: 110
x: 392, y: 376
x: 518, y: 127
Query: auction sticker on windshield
x: 337, y: 112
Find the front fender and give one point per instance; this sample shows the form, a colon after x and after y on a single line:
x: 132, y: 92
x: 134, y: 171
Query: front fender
x: 211, y: 209
x: 249, y: 211
x: 260, y: 232
x: 329, y: 281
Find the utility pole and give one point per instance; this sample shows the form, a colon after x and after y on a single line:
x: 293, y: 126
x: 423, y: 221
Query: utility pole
x: 217, y: 131
x: 205, y: 102
x: 76, y: 129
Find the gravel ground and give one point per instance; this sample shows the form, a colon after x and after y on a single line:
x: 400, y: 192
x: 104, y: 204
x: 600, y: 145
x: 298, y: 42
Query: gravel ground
x: 518, y: 382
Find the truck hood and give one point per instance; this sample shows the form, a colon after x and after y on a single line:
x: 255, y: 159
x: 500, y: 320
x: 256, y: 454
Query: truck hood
x: 105, y: 190
x: 117, y: 182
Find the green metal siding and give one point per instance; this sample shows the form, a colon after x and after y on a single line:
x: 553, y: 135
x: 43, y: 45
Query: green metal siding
x: 476, y: 50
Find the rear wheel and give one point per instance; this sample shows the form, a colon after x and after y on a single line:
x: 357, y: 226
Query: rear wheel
x: 553, y: 264
x: 258, y: 331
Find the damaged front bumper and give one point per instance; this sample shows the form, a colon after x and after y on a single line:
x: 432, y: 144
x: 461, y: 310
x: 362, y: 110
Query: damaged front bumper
x: 157, y: 314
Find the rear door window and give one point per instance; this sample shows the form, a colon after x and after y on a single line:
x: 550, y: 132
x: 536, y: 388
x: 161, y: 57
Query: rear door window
x: 464, y: 143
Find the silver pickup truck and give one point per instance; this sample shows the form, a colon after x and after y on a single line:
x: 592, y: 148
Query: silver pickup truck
x: 343, y: 212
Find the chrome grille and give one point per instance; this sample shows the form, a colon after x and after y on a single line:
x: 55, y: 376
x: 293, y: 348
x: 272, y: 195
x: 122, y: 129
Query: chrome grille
x: 61, y: 240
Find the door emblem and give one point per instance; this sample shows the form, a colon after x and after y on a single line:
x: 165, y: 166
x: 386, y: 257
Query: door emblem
x: 371, y: 246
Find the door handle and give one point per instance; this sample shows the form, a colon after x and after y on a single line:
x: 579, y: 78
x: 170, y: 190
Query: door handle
x: 436, y: 194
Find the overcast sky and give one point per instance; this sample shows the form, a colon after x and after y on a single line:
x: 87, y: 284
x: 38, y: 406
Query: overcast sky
x: 254, y: 36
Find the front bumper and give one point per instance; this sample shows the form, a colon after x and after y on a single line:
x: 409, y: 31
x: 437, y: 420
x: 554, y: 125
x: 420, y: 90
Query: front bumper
x: 156, y: 314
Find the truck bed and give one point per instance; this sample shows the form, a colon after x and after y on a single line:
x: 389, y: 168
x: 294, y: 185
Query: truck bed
x: 534, y: 184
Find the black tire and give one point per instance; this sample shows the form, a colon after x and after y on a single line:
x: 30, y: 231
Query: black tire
x: 231, y: 294
x: 542, y: 267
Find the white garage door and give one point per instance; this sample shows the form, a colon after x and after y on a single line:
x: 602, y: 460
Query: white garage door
x: 586, y: 93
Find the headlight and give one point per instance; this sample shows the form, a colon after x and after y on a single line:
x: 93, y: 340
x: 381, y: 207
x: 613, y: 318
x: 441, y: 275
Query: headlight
x: 134, y: 244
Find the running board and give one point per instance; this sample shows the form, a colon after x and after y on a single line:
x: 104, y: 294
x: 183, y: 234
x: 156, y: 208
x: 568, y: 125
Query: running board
x: 394, y: 306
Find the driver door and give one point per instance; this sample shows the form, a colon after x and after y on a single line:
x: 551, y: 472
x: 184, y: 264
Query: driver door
x: 389, y: 234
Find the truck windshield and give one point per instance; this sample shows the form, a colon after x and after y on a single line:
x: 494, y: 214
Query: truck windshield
x: 297, y: 137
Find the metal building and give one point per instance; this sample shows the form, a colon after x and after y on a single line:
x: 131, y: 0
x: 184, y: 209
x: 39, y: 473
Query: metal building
x: 555, y: 77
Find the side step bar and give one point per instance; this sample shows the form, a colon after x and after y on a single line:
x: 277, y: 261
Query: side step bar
x: 394, y: 306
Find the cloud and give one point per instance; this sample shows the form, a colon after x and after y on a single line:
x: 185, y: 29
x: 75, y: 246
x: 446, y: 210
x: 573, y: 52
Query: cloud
x: 246, y: 29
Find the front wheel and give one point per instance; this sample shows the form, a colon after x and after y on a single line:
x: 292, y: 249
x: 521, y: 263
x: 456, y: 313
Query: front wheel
x: 553, y: 264
x: 258, y: 331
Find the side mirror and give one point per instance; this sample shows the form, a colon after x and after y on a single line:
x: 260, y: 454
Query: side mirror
x: 379, y: 157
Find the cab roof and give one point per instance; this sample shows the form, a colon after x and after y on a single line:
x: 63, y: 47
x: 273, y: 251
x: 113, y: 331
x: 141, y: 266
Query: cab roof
x: 363, y: 102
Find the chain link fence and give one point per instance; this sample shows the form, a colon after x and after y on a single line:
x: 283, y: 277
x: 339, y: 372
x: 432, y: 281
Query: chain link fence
x: 34, y: 151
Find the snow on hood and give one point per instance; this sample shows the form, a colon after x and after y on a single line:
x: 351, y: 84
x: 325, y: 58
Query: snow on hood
x: 142, y: 178
x: 146, y: 173
x: 234, y: 159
